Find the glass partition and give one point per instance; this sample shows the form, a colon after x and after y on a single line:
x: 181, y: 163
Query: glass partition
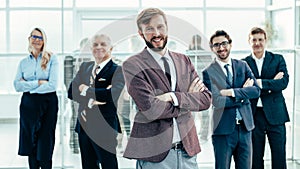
x: 296, y: 121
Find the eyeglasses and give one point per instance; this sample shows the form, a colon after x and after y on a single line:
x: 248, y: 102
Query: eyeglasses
x: 224, y: 44
x: 34, y: 37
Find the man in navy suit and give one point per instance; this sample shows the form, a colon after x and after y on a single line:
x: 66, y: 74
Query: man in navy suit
x: 270, y: 112
x: 96, y: 87
x: 232, y: 84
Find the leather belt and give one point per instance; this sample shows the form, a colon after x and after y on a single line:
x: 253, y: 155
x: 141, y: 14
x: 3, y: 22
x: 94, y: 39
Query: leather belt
x: 177, y: 146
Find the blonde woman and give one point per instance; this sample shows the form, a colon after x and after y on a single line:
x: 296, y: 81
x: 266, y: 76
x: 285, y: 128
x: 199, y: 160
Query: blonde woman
x: 37, y: 78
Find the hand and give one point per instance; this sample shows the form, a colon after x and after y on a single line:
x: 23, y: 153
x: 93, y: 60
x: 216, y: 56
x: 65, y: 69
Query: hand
x: 279, y: 75
x: 109, y: 86
x: 98, y: 103
x: 197, y: 86
x: 249, y: 82
x: 166, y: 97
x: 42, y: 82
x: 81, y: 87
x: 226, y: 92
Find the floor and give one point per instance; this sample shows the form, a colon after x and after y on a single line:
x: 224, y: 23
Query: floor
x: 64, y: 158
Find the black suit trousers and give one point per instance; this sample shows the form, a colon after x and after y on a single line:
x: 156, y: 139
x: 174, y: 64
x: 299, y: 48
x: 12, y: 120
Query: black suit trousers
x: 276, y: 135
x: 92, y: 154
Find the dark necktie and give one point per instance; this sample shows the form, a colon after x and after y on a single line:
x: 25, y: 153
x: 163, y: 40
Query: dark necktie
x: 230, y: 79
x: 167, y: 69
x: 229, y: 75
x: 96, y: 69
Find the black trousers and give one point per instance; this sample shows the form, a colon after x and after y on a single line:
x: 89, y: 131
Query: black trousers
x: 276, y: 135
x: 92, y: 154
x: 35, y: 164
x: 38, y: 117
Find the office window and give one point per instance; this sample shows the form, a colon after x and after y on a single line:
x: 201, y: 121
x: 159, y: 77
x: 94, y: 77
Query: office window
x: 2, y: 4
x: 236, y: 3
x: 20, y: 29
x: 236, y: 23
x: 281, y: 3
x: 109, y: 3
x: 69, y: 41
x: 35, y: 3
x: 173, y: 3
x: 2, y: 32
x: 283, y: 28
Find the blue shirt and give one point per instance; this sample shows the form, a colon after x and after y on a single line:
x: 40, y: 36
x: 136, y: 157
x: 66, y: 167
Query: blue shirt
x: 31, y: 71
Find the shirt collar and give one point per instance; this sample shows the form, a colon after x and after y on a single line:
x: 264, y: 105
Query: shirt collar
x: 102, y: 64
x: 157, y: 56
x: 31, y: 56
x: 261, y: 59
x: 222, y: 64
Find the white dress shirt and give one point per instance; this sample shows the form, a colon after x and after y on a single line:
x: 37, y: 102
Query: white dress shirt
x: 158, y: 58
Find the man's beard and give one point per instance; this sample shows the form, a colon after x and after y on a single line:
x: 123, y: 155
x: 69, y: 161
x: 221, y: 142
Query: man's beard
x: 223, y: 57
x: 156, y: 49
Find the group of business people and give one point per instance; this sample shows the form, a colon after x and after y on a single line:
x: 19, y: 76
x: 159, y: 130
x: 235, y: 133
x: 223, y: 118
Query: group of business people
x: 246, y: 98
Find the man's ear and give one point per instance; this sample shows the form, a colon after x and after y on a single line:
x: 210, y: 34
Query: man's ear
x: 141, y: 34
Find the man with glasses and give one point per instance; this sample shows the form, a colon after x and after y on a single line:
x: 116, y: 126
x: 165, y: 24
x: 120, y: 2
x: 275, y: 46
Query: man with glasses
x: 269, y: 110
x: 232, y: 84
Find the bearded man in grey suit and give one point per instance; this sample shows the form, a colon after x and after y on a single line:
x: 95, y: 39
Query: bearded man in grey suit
x: 166, y: 88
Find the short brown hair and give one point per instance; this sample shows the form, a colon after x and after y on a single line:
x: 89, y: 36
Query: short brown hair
x: 145, y: 16
x: 217, y: 34
x: 256, y: 30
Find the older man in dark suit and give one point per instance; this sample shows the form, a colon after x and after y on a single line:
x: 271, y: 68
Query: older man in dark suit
x: 96, y: 88
x: 232, y: 84
x: 165, y: 88
x: 270, y: 112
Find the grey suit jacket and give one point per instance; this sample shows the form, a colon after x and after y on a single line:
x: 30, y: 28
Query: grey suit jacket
x: 152, y: 132
x: 271, y: 94
x: 224, y: 108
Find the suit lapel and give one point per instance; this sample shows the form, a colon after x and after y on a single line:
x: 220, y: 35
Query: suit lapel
x: 265, y: 65
x: 219, y: 71
x: 105, y: 68
x: 154, y: 66
x: 253, y: 66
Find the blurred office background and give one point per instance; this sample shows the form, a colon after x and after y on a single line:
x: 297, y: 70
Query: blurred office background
x: 67, y: 22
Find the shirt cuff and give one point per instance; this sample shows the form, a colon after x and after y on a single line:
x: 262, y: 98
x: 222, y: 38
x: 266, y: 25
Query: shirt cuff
x: 90, y: 104
x: 174, y: 98
x: 232, y: 93
x: 83, y: 92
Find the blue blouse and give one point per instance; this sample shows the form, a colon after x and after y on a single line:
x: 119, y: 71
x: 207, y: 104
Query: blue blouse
x: 31, y: 71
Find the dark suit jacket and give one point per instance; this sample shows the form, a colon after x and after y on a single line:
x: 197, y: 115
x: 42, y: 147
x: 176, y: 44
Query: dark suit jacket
x: 152, y: 132
x: 110, y: 74
x: 224, y: 108
x: 271, y: 94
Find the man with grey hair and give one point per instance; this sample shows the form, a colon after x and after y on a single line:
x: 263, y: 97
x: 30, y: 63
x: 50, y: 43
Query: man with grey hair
x: 97, y: 87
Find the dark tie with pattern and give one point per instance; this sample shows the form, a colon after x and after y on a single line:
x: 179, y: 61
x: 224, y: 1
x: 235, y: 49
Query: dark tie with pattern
x: 167, y: 69
x: 96, y: 70
x: 229, y: 75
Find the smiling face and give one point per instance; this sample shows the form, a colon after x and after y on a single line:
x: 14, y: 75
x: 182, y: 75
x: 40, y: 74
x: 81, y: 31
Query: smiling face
x: 36, y: 40
x: 221, y: 47
x: 155, y: 33
x: 101, y: 48
x: 258, y: 43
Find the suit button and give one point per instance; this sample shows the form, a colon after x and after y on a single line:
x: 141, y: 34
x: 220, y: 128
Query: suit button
x: 242, y: 101
x: 269, y: 91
